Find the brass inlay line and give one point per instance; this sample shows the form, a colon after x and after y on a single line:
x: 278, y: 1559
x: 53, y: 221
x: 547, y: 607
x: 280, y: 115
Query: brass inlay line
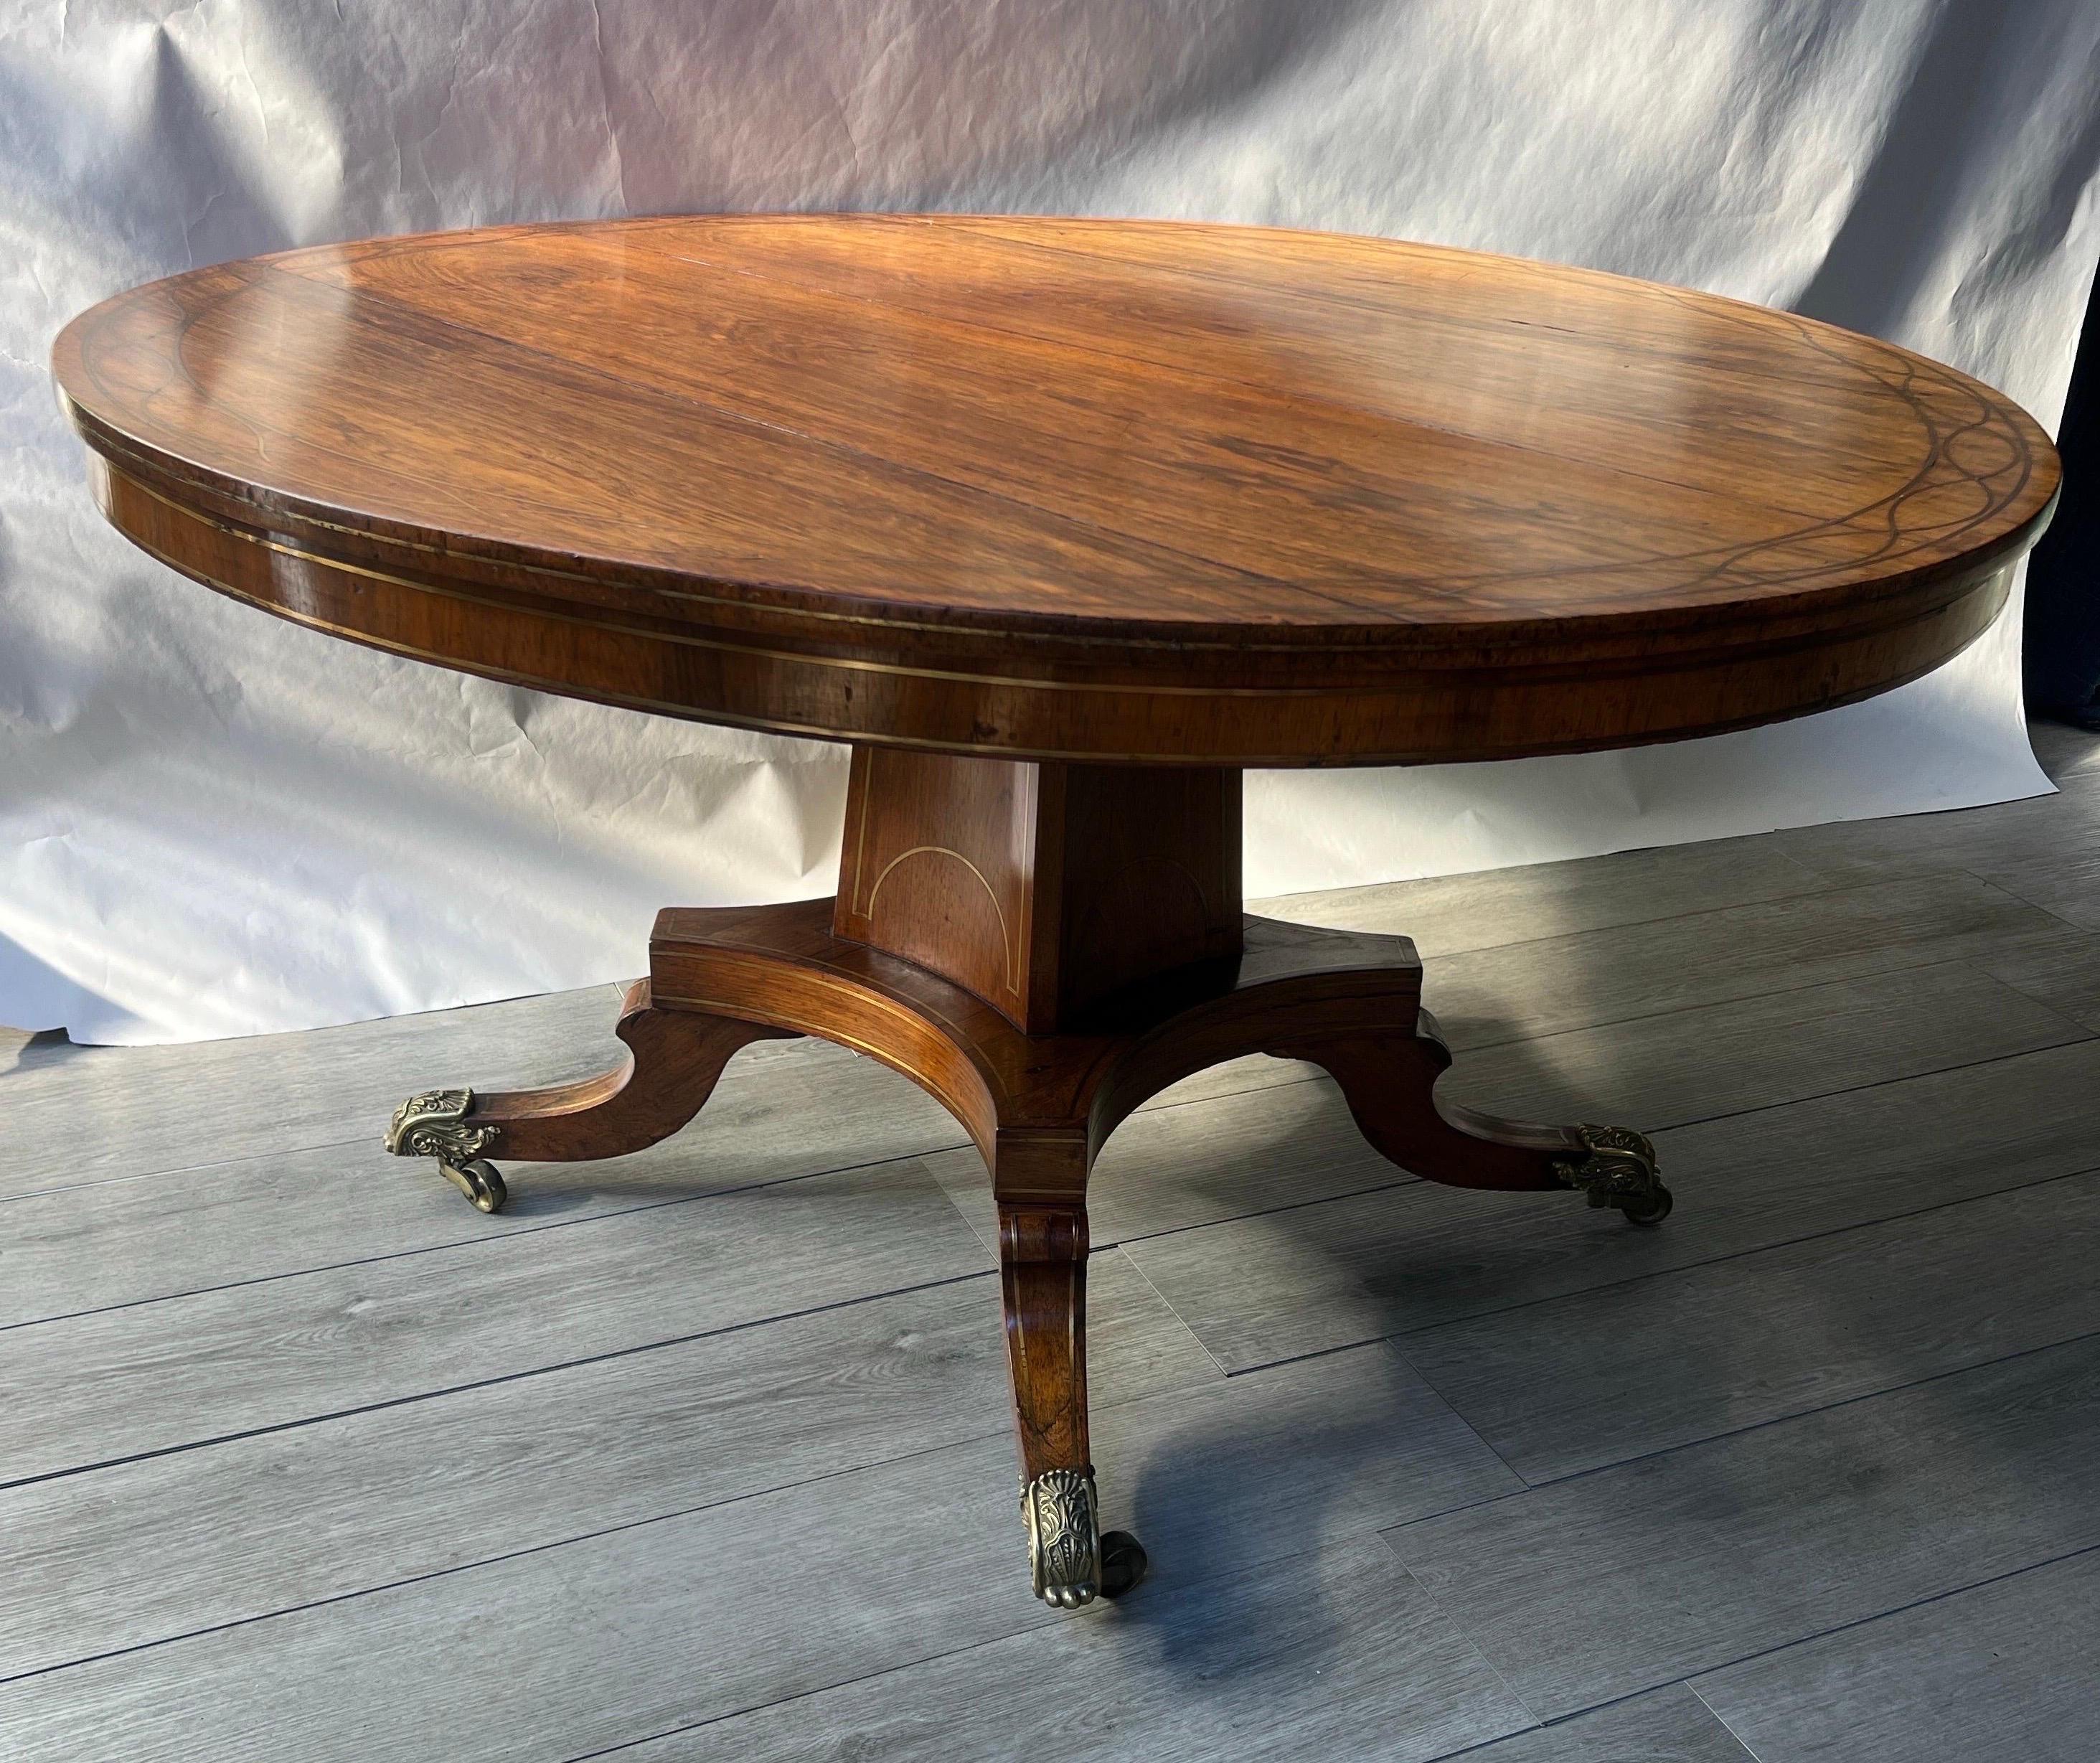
x: 860, y: 843
x: 1007, y: 953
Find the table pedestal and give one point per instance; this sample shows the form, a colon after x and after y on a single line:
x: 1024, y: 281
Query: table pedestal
x: 1042, y: 947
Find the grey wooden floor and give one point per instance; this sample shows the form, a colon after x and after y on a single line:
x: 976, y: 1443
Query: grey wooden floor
x: 704, y: 1453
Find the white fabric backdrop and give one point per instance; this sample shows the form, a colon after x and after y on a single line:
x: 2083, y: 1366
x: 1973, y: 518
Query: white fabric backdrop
x: 213, y: 824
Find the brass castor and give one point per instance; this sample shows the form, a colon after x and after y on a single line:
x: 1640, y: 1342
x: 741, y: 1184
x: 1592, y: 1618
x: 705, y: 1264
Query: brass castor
x: 479, y: 1180
x: 433, y: 1123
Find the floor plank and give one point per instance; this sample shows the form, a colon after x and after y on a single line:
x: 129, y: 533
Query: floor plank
x: 2008, y: 1672
x: 616, y: 1637
x: 1258, y: 1468
x: 1338, y: 1655
x: 1260, y: 1289
x: 151, y: 1377
x: 2059, y: 967
x: 1996, y: 842
x: 1174, y: 1168
x: 1666, y: 1726
x: 563, y: 1651
x: 1672, y: 1070
x: 85, y: 1114
x: 170, y: 1544
x: 2066, y: 888
x: 1639, y: 1575
x: 1446, y: 915
x: 1580, y: 1381
x: 1519, y: 990
x: 125, y: 1242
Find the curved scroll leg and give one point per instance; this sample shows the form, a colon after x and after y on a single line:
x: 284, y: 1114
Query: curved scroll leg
x: 1043, y: 1280
x: 674, y: 1059
x: 1388, y: 1082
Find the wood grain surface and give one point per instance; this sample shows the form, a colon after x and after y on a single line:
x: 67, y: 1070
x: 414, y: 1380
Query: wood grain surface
x: 1044, y: 888
x: 1063, y: 488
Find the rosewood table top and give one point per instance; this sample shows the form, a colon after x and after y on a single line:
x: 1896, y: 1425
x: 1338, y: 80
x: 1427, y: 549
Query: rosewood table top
x: 1131, y: 491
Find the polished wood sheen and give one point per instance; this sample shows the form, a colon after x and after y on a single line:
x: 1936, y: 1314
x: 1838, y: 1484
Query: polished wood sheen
x: 1064, y: 488
x: 1045, y: 887
x: 1061, y: 524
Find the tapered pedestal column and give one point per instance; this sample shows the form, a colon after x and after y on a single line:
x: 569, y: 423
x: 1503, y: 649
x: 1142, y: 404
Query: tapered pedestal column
x: 1042, y: 948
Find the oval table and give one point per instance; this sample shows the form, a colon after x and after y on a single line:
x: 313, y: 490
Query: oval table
x: 1061, y: 523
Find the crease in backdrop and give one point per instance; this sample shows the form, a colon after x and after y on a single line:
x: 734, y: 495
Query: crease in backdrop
x: 213, y: 824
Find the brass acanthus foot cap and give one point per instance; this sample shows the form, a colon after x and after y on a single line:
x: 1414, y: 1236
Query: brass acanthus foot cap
x: 433, y: 1123
x: 1071, y: 1562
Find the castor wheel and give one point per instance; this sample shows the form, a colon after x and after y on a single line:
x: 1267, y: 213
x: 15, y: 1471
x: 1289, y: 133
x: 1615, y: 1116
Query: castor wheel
x: 1124, y: 1562
x: 478, y: 1180
x: 1649, y: 1209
